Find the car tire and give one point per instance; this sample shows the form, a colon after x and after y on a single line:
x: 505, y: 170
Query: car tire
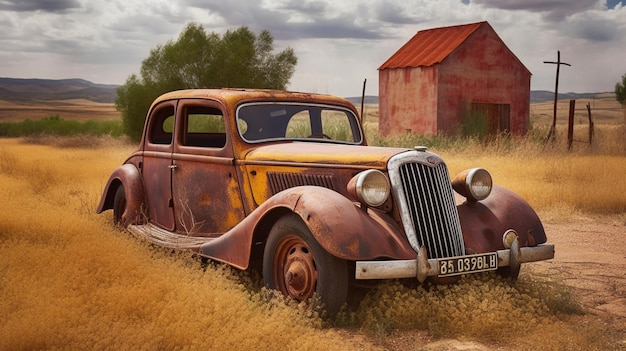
x: 508, y: 273
x: 120, y: 206
x: 295, y: 264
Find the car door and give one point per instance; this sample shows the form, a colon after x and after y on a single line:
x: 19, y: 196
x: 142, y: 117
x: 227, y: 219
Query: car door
x: 157, y: 164
x: 207, y: 199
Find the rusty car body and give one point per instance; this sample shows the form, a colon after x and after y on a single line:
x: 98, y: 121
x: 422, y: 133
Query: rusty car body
x: 286, y: 181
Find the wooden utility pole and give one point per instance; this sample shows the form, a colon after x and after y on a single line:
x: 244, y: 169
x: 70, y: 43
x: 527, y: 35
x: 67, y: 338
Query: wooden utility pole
x: 558, y: 63
x: 363, y: 101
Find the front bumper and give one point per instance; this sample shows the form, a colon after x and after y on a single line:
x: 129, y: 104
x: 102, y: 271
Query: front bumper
x: 423, y: 267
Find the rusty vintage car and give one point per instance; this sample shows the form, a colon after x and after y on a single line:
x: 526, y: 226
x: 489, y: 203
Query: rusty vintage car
x: 286, y: 182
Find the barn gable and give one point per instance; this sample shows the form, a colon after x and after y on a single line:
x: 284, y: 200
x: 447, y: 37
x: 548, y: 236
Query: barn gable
x: 443, y: 75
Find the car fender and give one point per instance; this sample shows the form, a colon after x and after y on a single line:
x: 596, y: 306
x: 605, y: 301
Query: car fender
x: 341, y: 228
x: 348, y: 231
x: 129, y: 177
x: 484, y: 222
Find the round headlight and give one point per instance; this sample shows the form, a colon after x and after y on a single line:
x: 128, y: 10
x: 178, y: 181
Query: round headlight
x: 475, y: 184
x: 370, y: 187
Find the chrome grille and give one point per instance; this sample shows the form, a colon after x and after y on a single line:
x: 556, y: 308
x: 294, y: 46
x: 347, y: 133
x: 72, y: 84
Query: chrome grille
x: 427, y: 206
x: 280, y: 181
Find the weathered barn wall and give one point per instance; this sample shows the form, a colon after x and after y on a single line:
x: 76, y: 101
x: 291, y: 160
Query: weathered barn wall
x: 415, y: 102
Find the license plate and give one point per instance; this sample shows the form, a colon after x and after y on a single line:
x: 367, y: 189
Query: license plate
x: 467, y: 264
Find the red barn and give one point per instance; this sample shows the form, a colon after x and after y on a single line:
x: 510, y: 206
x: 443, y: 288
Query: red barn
x: 445, y: 77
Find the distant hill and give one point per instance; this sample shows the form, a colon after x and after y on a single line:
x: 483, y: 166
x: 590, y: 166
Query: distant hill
x: 535, y: 96
x: 18, y: 89
x: 545, y: 95
x: 369, y: 99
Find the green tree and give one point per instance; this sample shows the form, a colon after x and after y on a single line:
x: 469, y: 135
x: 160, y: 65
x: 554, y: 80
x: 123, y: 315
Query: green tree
x: 200, y: 60
x: 620, y: 91
x: 620, y: 94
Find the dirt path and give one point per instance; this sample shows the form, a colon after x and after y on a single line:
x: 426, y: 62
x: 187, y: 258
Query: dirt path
x: 591, y: 258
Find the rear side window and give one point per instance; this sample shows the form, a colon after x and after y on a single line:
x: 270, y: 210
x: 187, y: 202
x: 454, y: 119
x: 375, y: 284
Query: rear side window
x: 162, y: 126
x: 204, y: 127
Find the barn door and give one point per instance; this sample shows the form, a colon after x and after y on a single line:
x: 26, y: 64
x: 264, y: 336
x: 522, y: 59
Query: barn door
x: 498, y: 116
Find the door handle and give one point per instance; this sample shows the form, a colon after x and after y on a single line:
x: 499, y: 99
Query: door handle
x: 172, y: 166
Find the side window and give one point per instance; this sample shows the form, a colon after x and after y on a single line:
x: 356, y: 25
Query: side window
x: 162, y: 126
x: 204, y: 127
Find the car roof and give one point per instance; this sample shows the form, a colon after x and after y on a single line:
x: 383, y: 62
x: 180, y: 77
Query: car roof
x: 234, y: 96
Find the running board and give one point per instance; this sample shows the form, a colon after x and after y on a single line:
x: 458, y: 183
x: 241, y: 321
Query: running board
x: 166, y: 238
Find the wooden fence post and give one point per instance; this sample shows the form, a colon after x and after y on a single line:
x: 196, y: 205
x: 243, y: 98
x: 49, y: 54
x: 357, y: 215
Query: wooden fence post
x: 590, y: 124
x: 570, y: 126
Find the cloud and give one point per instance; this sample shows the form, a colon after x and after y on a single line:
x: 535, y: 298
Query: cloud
x: 292, y: 19
x: 593, y: 30
x: 396, y: 13
x: 315, y: 8
x: 38, y: 5
x: 338, y: 43
x: 552, y: 10
x: 241, y: 12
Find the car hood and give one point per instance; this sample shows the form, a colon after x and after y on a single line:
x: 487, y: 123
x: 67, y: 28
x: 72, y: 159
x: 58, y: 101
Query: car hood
x: 323, y: 153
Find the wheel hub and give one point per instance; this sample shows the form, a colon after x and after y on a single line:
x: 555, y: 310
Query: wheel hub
x: 299, y: 279
x: 299, y: 272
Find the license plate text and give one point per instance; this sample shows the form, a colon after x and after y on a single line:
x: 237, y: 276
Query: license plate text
x: 467, y: 264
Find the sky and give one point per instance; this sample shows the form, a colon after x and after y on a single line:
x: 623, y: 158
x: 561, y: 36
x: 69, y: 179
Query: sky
x: 339, y: 43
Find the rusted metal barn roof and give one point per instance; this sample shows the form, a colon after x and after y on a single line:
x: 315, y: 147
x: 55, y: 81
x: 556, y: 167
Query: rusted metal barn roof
x: 431, y: 46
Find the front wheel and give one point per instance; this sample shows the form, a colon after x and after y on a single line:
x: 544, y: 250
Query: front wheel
x: 295, y: 264
x: 508, y: 273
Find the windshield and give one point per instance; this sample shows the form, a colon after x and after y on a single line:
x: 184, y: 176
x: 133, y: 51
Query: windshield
x: 258, y: 122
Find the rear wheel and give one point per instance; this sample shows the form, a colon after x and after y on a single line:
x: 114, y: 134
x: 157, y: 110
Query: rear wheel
x: 120, y: 206
x: 295, y: 264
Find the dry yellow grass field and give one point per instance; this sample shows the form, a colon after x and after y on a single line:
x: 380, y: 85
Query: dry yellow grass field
x: 76, y: 109
x: 604, y: 110
x: 70, y: 280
